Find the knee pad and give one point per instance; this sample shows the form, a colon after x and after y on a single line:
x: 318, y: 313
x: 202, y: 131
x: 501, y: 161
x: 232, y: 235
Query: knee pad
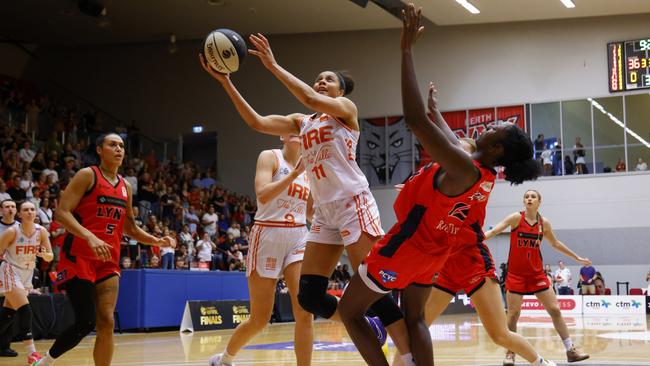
x: 6, y: 318
x: 25, y: 322
x: 387, y: 310
x: 313, y: 296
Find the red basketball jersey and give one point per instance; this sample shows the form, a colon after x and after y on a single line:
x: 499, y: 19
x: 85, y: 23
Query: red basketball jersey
x: 525, y: 254
x: 432, y: 221
x: 102, y: 210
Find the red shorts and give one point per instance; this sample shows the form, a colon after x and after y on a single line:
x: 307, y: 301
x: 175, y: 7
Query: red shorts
x: 407, y: 266
x: 467, y: 270
x: 527, y: 284
x: 87, y: 269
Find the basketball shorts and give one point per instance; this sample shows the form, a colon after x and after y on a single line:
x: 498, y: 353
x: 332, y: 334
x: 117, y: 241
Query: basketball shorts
x: 527, y: 284
x: 467, y: 269
x: 272, y: 249
x: 407, y: 266
x: 343, y: 221
x: 88, y: 269
x: 12, y: 277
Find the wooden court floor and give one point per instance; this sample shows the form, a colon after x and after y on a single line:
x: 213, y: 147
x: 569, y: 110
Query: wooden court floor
x: 458, y: 340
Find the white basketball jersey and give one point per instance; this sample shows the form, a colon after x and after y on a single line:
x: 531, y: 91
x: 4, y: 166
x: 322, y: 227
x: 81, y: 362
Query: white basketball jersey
x: 3, y: 228
x: 329, y: 149
x: 289, y: 208
x: 22, y: 251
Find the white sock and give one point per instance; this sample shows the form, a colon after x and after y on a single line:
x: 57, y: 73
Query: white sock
x: 31, y: 348
x: 46, y: 361
x: 227, y: 358
x: 407, y: 359
x: 568, y: 343
x: 538, y: 362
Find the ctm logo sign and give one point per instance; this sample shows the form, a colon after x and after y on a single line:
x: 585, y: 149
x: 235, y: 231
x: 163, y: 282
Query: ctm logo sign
x: 532, y: 304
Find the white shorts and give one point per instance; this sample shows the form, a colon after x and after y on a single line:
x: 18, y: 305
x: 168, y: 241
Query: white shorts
x: 272, y: 249
x: 343, y: 221
x: 14, y: 277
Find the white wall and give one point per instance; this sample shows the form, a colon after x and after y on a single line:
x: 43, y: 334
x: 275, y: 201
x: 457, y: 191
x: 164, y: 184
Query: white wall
x: 484, y: 65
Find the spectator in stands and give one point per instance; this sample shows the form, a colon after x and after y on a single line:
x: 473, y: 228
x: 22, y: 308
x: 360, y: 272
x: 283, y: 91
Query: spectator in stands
x: 620, y: 165
x: 16, y: 193
x: 185, y: 238
x: 579, y: 157
x: 51, y: 170
x: 181, y: 263
x: 38, y: 164
x: 557, y: 158
x: 3, y: 191
x: 26, y: 154
x: 154, y: 262
x: 549, y: 275
x: 223, y: 224
x: 125, y: 263
x: 204, y: 248
x: 547, y: 161
x: 641, y: 166
x: 599, y: 282
x: 192, y: 220
x: 540, y: 145
x: 131, y: 178
x: 45, y: 213
x: 587, y: 277
x: 568, y: 165
x: 68, y: 171
x: 167, y: 253
x: 562, y: 277
x: 209, y: 221
x: 234, y: 230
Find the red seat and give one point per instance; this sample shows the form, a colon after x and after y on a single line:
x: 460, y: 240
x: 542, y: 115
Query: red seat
x: 636, y: 291
x: 608, y: 291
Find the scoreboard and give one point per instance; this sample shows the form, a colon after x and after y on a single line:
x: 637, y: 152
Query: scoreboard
x: 628, y: 65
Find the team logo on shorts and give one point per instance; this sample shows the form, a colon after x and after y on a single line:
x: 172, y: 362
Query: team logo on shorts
x: 388, y: 276
x: 345, y: 233
x: 541, y: 283
x: 270, y: 263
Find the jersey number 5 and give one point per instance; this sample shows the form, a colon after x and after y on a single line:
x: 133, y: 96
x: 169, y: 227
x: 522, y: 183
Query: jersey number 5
x: 110, y: 229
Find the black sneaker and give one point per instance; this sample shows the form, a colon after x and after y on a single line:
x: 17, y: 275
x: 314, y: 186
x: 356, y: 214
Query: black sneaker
x: 8, y: 352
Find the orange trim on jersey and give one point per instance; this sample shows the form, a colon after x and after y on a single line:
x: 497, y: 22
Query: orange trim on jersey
x: 359, y: 214
x: 372, y: 220
x: 340, y: 121
x: 278, y: 224
x: 277, y: 163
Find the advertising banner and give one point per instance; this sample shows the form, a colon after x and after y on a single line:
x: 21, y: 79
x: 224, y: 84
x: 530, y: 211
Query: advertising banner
x: 568, y: 305
x: 213, y: 315
x: 607, y: 305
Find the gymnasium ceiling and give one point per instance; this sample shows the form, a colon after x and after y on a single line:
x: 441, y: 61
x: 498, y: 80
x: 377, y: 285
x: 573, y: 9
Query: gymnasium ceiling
x: 134, y: 21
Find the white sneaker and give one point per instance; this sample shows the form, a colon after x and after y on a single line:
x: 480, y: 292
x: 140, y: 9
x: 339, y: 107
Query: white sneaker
x: 549, y: 363
x: 216, y: 361
x: 509, y: 360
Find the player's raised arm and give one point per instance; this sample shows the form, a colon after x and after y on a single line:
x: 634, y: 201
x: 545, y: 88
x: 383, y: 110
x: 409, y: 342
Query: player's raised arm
x: 560, y: 247
x: 510, y: 221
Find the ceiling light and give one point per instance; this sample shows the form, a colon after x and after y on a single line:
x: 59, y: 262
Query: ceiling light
x: 471, y: 8
x: 568, y: 3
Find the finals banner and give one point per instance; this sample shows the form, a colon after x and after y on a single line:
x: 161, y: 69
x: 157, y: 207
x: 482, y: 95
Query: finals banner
x: 212, y: 315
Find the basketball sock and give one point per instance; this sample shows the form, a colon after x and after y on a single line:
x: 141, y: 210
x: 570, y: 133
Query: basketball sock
x: 539, y: 361
x: 227, y: 358
x: 568, y: 343
x: 407, y: 359
x: 30, y: 348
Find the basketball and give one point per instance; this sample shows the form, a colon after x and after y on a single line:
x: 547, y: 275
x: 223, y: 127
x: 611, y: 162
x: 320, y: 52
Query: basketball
x: 224, y: 50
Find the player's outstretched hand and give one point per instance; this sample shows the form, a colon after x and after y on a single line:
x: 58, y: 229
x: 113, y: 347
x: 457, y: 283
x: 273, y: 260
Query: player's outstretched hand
x: 262, y: 49
x: 215, y: 74
x: 168, y: 241
x: 411, y: 28
x: 584, y: 261
x: 432, y: 102
x: 101, y: 249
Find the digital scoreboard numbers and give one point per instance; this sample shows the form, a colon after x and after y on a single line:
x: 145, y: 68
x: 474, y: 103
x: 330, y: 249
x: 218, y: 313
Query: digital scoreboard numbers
x: 629, y: 65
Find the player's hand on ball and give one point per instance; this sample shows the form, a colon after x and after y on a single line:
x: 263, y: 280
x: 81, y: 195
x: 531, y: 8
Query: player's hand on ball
x: 101, y: 249
x: 215, y: 74
x: 411, y: 28
x: 263, y: 50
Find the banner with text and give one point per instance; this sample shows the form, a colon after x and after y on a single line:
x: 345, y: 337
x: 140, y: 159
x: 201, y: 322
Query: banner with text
x: 213, y: 315
x: 568, y: 305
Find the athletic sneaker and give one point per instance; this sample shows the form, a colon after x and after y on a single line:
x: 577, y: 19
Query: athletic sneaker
x: 216, y: 361
x: 549, y: 363
x: 33, y: 357
x: 378, y: 328
x: 509, y: 360
x: 575, y: 354
x: 8, y: 352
